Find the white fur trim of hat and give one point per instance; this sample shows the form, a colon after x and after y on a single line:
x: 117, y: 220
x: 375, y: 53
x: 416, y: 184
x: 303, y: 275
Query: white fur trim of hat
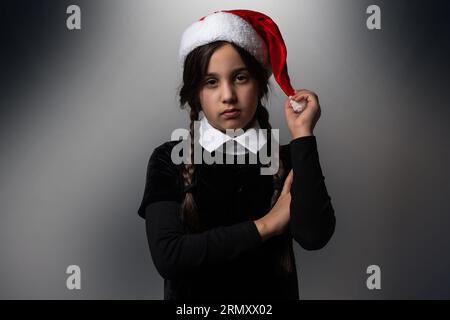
x: 227, y: 27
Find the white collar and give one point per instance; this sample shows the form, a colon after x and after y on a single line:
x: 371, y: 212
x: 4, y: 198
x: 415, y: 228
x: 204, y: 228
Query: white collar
x: 252, y: 139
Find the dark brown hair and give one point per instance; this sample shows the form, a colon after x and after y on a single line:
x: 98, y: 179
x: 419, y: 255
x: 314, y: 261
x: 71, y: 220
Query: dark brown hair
x: 195, y: 69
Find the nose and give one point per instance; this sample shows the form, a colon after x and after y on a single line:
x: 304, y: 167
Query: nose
x: 228, y: 93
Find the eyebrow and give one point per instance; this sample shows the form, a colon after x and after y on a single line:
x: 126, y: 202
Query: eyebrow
x: 234, y: 71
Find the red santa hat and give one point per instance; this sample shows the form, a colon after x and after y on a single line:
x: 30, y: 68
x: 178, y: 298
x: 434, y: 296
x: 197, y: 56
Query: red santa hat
x: 253, y: 31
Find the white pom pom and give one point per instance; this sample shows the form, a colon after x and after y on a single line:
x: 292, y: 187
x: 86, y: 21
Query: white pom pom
x: 298, y: 107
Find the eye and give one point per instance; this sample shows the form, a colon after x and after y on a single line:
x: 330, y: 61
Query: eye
x: 210, y: 82
x: 241, y: 77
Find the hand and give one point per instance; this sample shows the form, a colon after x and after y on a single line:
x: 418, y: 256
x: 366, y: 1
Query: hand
x: 276, y: 221
x: 303, y: 123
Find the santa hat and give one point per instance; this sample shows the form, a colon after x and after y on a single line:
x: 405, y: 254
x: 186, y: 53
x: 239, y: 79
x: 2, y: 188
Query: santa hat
x: 251, y: 30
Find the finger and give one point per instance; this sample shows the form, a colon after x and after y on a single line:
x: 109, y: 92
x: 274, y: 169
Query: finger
x: 301, y: 91
x: 302, y: 96
x: 304, y: 100
x: 305, y: 91
x: 298, y: 105
x: 298, y: 102
x: 287, y: 183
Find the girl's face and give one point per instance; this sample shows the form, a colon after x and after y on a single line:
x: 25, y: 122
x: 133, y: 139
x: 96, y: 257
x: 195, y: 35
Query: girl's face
x: 226, y: 86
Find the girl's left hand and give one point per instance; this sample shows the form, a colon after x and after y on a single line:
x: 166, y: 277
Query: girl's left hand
x: 303, y: 123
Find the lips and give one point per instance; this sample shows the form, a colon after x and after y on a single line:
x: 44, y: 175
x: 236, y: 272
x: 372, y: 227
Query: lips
x: 231, y: 111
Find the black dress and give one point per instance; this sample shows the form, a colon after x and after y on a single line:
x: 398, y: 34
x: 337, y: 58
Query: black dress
x: 227, y: 258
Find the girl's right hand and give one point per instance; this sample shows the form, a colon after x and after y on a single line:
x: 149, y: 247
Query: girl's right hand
x: 276, y: 221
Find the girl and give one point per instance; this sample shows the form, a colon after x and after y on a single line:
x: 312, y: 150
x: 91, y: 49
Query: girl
x: 225, y: 230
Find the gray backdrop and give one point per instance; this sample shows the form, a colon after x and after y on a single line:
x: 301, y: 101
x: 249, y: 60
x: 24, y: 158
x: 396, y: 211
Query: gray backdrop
x: 81, y: 112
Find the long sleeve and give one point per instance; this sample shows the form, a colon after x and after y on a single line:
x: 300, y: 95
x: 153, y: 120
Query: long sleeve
x: 175, y: 252
x: 312, y: 215
x: 161, y: 181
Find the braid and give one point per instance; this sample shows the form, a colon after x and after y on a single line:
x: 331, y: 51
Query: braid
x: 263, y: 117
x: 286, y: 260
x: 188, y: 207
